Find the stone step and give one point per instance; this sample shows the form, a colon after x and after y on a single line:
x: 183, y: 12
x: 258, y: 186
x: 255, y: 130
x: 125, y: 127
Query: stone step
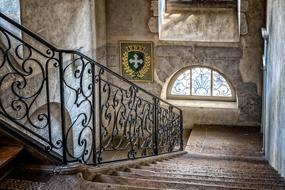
x: 277, y: 180
x: 217, y: 163
x: 108, y: 186
x: 214, y: 166
x: 210, y: 181
x: 214, y: 157
x: 214, y: 173
x: 210, y: 169
x: 77, y: 182
x: 204, y: 174
x: 158, y: 183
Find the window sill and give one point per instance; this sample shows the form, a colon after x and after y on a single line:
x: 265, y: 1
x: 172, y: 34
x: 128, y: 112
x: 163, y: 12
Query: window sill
x: 204, y: 104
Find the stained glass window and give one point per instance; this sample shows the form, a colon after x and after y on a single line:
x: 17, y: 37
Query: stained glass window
x: 201, y: 82
x: 220, y: 86
x: 182, y: 84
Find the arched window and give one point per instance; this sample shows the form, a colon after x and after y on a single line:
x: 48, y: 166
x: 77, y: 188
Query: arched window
x: 200, y: 83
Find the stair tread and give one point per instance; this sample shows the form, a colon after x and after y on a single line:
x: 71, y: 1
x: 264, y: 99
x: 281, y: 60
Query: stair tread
x: 206, y: 174
x: 103, y: 186
x: 224, y: 173
x: 159, y: 183
x: 224, y: 181
x: 214, y: 167
x: 201, y: 168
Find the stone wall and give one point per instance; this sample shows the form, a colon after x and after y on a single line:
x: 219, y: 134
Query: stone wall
x: 99, y: 25
x: 275, y: 109
x: 67, y: 24
x: 240, y: 62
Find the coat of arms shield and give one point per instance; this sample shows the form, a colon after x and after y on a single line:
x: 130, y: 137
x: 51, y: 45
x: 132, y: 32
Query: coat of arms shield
x: 136, y: 61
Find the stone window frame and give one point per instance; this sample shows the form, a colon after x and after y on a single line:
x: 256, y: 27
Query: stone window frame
x: 195, y: 97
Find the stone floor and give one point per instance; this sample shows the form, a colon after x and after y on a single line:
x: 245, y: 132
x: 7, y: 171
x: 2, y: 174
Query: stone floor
x: 225, y: 140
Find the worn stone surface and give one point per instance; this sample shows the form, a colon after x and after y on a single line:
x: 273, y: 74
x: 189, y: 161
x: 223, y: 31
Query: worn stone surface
x: 240, y: 63
x: 244, y: 6
x: 114, y: 22
x: 225, y: 140
x: 243, y: 24
x: 217, y: 158
x: 67, y: 24
x: 251, y: 61
x: 205, y: 26
x: 153, y: 24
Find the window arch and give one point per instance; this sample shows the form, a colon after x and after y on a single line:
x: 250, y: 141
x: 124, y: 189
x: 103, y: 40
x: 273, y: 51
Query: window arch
x: 200, y: 83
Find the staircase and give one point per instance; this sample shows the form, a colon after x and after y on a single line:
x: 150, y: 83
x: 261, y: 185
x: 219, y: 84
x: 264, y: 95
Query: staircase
x: 62, y: 107
x: 191, y: 169
x: 95, y: 124
x: 187, y: 172
x: 75, y: 110
x: 182, y: 172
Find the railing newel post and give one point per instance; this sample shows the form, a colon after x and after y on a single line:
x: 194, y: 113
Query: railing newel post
x: 181, y: 130
x: 62, y: 107
x: 156, y: 123
x: 94, y: 107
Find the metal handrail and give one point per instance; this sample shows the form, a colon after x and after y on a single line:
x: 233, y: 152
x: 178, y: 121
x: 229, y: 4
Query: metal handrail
x: 40, y: 39
x: 130, y: 120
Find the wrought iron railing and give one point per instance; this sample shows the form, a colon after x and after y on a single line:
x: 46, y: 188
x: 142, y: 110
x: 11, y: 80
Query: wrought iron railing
x: 76, y: 108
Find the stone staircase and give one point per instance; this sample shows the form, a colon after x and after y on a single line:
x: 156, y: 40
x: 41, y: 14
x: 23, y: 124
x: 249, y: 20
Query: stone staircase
x: 186, y: 172
x: 207, y: 169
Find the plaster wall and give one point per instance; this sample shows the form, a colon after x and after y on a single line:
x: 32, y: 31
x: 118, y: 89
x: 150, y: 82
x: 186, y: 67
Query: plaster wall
x: 253, y: 14
x: 275, y: 125
x: 67, y: 24
x: 205, y: 26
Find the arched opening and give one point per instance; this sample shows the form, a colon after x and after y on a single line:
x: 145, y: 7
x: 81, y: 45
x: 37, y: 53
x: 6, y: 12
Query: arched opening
x: 200, y: 83
x: 205, y: 95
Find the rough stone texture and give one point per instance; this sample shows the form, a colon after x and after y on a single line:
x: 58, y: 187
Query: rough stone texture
x: 244, y: 6
x: 67, y: 24
x: 202, y: 26
x: 74, y: 29
x: 240, y: 64
x: 217, y: 159
x: 11, y: 8
x: 153, y: 24
x: 275, y: 113
x: 251, y: 62
x: 209, y: 139
x: 243, y: 24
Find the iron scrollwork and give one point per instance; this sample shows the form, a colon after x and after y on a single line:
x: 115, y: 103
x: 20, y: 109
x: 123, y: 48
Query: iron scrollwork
x: 78, y: 109
x: 24, y: 80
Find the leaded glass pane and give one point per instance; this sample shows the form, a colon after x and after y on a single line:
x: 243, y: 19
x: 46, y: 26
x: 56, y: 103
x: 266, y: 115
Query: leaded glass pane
x: 220, y: 86
x: 182, y: 84
x: 201, y: 81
